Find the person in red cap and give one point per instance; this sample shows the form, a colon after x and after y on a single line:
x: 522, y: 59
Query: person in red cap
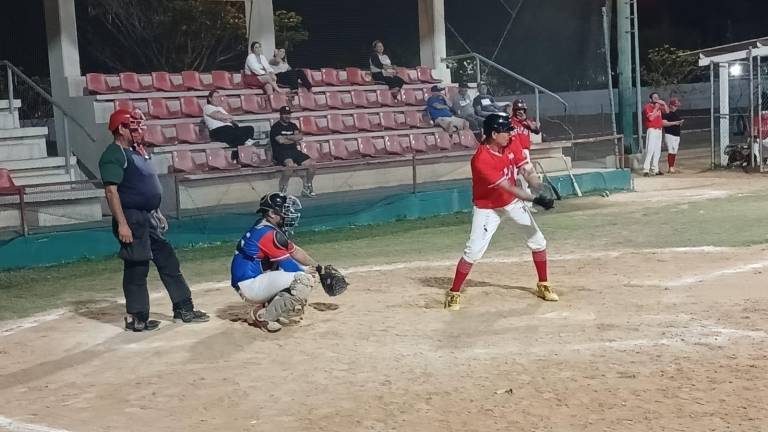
x: 672, y: 125
x: 134, y: 194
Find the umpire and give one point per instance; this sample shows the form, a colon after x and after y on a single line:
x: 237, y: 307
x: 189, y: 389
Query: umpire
x: 133, y: 194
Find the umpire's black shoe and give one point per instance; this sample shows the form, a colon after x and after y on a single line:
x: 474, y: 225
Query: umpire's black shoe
x: 190, y: 316
x: 138, y: 325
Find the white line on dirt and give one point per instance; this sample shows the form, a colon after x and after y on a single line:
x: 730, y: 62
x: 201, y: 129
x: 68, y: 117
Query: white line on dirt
x: 15, y: 426
x: 705, y: 277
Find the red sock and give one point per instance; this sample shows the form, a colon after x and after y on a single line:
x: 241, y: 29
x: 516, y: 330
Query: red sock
x: 462, y: 271
x: 671, y: 159
x: 540, y: 261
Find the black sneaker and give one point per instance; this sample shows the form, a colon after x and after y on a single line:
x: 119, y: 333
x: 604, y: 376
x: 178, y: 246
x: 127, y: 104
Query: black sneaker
x: 190, y: 316
x: 137, y: 325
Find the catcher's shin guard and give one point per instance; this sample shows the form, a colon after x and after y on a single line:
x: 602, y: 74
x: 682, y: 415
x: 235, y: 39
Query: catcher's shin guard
x: 452, y: 300
x: 544, y: 291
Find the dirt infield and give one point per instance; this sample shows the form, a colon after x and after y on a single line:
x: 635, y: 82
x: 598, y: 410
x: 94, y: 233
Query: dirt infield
x: 643, y: 339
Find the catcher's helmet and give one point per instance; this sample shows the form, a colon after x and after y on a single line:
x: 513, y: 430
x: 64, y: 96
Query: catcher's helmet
x: 285, y: 206
x: 496, y: 122
x: 519, y: 105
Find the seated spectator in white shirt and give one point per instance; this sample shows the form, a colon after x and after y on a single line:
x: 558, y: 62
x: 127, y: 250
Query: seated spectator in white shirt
x: 382, y: 69
x: 440, y: 112
x: 257, y: 73
x: 286, y: 75
x: 462, y: 107
x: 484, y: 103
x: 221, y: 125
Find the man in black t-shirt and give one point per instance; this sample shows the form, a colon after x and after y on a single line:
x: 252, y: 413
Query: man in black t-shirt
x: 285, y: 136
x: 672, y: 122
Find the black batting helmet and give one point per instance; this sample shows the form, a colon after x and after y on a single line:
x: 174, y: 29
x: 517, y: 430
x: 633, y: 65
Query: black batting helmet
x: 519, y: 105
x: 496, y: 122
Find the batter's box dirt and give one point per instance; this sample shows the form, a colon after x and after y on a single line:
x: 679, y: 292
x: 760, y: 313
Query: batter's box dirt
x: 235, y: 312
x: 323, y: 307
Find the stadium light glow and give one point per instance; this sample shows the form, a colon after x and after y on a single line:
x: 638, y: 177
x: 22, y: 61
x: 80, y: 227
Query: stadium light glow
x: 736, y: 69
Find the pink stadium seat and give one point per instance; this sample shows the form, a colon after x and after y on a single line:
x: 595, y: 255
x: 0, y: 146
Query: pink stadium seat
x: 307, y: 101
x: 467, y: 139
x: 183, y: 162
x: 416, y: 119
x: 192, y: 80
x: 389, y: 121
x: 315, y: 77
x: 97, y: 83
x: 336, y: 124
x: 221, y: 159
x: 158, y: 108
x: 414, y: 97
x: 190, y: 106
x: 7, y: 186
x: 357, y: 76
x: 190, y: 133
x: 424, y: 74
x: 155, y: 135
x: 331, y: 77
x: 363, y: 123
x: 444, y: 140
x: 339, y: 150
x: 233, y: 105
x: 278, y: 100
x: 224, y: 80
x: 309, y: 126
x: 125, y: 104
x: 368, y: 148
x: 419, y: 143
x: 253, y: 157
x: 256, y: 104
x: 129, y: 81
x: 386, y: 99
x: 399, y: 145
x: 360, y: 99
x: 314, y: 149
x: 162, y: 81
x: 407, y: 75
x: 336, y: 101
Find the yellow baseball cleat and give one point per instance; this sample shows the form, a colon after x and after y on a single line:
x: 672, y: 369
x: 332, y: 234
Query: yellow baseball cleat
x: 452, y: 300
x: 544, y: 291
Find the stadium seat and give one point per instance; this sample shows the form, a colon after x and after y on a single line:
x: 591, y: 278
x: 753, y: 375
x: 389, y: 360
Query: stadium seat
x: 223, y: 80
x: 314, y: 149
x: 443, y: 140
x: 155, y: 135
x: 190, y: 133
x: 253, y: 156
x: 190, y: 106
x: 129, y: 81
x: 419, y: 143
x: 231, y: 108
x: 162, y: 81
x: 158, y: 108
x: 307, y: 101
x: 7, y: 186
x: 279, y: 100
x: 331, y: 77
x: 407, y: 75
x: 357, y: 76
x: 336, y: 124
x: 424, y: 74
x: 368, y: 148
x: 363, y: 123
x: 398, y: 145
x: 414, y: 97
x: 467, y: 139
x: 315, y: 77
x: 336, y: 101
x: 125, y: 104
x: 221, y: 159
x: 183, y: 162
x: 360, y: 99
x: 389, y: 121
x: 386, y: 99
x: 308, y: 126
x: 192, y: 80
x: 340, y: 150
x: 416, y: 119
x: 97, y: 83
x: 256, y: 104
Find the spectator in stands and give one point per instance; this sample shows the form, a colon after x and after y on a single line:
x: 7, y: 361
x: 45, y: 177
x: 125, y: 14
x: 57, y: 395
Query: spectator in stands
x: 286, y: 75
x: 221, y: 125
x: 462, y: 107
x: 285, y: 137
x: 440, y: 112
x: 257, y: 71
x: 484, y: 103
x: 382, y: 69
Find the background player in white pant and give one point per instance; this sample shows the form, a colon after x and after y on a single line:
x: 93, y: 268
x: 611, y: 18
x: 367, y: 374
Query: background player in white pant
x: 653, y: 136
x: 522, y: 127
x: 270, y: 271
x: 672, y: 125
x: 496, y: 196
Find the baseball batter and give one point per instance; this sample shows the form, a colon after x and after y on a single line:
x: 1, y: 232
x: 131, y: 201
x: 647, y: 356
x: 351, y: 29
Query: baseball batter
x: 496, y: 196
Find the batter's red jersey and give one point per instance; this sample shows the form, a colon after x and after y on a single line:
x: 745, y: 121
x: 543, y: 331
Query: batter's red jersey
x: 489, y: 170
x: 521, y: 134
x: 652, y: 116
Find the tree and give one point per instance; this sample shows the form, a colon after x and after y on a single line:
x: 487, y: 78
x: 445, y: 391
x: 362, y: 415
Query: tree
x: 288, y: 29
x: 669, y: 66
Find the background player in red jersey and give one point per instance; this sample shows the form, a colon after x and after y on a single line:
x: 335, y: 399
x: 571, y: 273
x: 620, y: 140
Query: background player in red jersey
x: 521, y: 133
x: 496, y: 196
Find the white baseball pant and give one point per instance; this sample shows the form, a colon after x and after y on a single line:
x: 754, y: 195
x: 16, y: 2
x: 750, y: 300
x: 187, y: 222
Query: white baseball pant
x: 673, y: 143
x: 653, y: 138
x: 486, y: 221
x: 265, y: 286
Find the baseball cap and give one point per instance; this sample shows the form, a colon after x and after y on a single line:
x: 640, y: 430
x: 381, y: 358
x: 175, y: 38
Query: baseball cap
x: 674, y: 101
x: 285, y: 109
x: 463, y: 85
x: 437, y: 88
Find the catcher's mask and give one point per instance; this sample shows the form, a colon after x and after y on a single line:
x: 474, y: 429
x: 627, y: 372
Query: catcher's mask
x: 285, y: 206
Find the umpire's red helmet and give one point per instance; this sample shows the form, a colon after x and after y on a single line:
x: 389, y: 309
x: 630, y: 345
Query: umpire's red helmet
x: 134, y: 119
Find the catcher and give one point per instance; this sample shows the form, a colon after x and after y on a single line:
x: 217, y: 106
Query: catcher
x: 274, y: 274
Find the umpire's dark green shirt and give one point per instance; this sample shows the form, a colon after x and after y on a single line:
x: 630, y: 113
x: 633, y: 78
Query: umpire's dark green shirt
x: 135, y: 177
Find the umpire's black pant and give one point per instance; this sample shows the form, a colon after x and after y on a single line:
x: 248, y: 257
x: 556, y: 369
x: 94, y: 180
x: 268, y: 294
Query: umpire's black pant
x: 232, y: 135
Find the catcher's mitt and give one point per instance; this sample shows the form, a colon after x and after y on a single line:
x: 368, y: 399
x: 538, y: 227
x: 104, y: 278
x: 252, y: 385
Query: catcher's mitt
x: 333, y: 282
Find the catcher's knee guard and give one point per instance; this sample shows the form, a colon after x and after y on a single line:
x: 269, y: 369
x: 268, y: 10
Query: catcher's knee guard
x: 302, y: 286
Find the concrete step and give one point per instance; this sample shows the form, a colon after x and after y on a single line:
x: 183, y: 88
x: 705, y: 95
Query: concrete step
x: 46, y: 209
x: 8, y: 120
x: 44, y: 163
x: 23, y: 143
x: 33, y: 179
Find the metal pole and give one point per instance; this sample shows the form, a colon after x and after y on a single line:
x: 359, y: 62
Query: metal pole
x: 477, y: 70
x: 10, y: 95
x: 536, y: 92
x: 624, y: 65
x: 413, y: 166
x: 67, y: 147
x: 751, y: 99
x: 607, y: 48
x: 23, y: 213
x: 637, y: 75
x: 712, y: 113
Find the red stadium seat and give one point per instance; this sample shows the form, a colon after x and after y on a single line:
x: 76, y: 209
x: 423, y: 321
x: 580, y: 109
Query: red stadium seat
x: 192, y: 80
x: 335, y: 100
x: 190, y: 133
x: 129, y: 81
x: 221, y: 159
x: 256, y: 104
x: 233, y: 105
x: 340, y: 150
x: 158, y: 108
x: 444, y: 140
x: 97, y: 83
x: 399, y: 145
x: 331, y: 77
x: 314, y: 149
x: 363, y: 123
x: 416, y: 119
x: 308, y: 126
x: 307, y: 101
x: 467, y: 139
x: 224, y: 80
x: 407, y: 75
x: 424, y: 74
x: 125, y: 104
x: 419, y: 143
x: 357, y: 76
x: 367, y: 147
x: 414, y: 97
x: 389, y: 121
x: 386, y: 99
x: 336, y: 124
x: 162, y: 81
x: 7, y: 186
x: 155, y: 135
x: 183, y: 162
x: 253, y: 156
x: 360, y: 99
x: 279, y: 100
x: 315, y: 77
x: 190, y: 106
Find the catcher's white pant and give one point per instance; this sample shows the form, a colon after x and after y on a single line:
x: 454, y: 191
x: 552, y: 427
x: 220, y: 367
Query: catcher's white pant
x: 673, y: 143
x: 486, y: 221
x: 265, y: 286
x: 653, y: 138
